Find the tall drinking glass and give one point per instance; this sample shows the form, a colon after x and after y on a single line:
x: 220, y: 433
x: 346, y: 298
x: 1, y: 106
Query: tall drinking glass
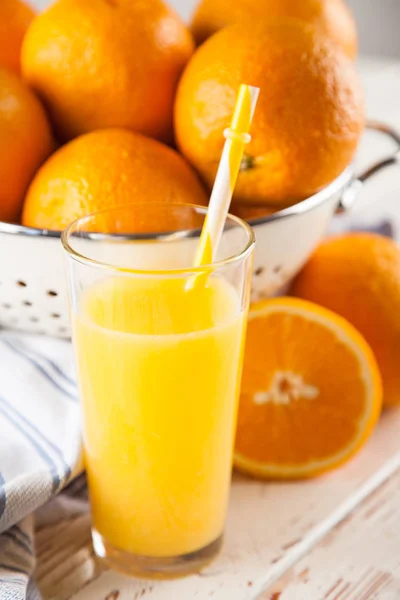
x: 159, y: 348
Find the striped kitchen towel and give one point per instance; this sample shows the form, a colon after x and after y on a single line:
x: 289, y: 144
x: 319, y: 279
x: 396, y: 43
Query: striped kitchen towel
x: 40, y: 447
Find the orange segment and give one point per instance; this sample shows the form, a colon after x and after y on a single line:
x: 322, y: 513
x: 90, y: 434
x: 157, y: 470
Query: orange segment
x: 311, y: 391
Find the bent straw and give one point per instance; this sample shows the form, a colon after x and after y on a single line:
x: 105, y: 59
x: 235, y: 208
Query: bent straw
x: 237, y: 136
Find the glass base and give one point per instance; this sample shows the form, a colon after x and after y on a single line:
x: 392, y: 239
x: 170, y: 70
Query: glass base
x: 147, y: 567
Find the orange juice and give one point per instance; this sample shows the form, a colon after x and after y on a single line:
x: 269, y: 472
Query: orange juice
x: 159, y: 365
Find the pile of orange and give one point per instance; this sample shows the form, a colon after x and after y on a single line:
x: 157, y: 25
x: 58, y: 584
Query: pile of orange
x: 90, y: 66
x: 131, y: 65
x: 95, y: 97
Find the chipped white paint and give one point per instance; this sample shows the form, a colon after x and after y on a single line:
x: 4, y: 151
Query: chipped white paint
x: 359, y: 560
x: 286, y: 387
x: 271, y: 526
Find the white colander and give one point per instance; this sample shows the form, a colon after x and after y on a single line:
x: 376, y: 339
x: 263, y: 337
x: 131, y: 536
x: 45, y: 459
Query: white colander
x: 33, y: 289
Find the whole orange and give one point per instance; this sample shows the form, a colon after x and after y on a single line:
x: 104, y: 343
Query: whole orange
x: 332, y: 17
x: 358, y: 277
x: 308, y: 119
x: 25, y: 142
x: 15, y: 18
x: 107, y: 63
x: 107, y: 168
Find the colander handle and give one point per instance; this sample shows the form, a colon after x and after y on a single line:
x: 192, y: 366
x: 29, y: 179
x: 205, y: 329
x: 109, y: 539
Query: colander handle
x: 351, y: 193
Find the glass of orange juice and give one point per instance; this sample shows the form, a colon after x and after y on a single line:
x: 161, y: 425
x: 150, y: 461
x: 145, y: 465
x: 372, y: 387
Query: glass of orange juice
x: 159, y: 349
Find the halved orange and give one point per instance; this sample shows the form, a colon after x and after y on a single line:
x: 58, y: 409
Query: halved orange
x: 311, y: 391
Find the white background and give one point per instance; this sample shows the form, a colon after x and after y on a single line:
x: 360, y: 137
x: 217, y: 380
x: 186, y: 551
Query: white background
x: 378, y: 22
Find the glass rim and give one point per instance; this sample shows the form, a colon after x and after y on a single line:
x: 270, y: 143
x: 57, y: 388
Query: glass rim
x: 75, y: 255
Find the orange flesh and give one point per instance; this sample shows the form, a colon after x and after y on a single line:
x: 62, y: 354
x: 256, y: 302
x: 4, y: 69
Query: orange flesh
x: 321, y: 421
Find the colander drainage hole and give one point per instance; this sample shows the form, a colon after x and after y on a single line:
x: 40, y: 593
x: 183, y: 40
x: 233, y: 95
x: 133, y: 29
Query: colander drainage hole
x: 27, y: 303
x: 21, y: 283
x: 55, y: 315
x: 6, y: 305
x: 52, y: 293
x: 34, y: 320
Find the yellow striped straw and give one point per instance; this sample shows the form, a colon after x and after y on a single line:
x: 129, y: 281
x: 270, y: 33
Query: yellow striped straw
x: 237, y: 136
